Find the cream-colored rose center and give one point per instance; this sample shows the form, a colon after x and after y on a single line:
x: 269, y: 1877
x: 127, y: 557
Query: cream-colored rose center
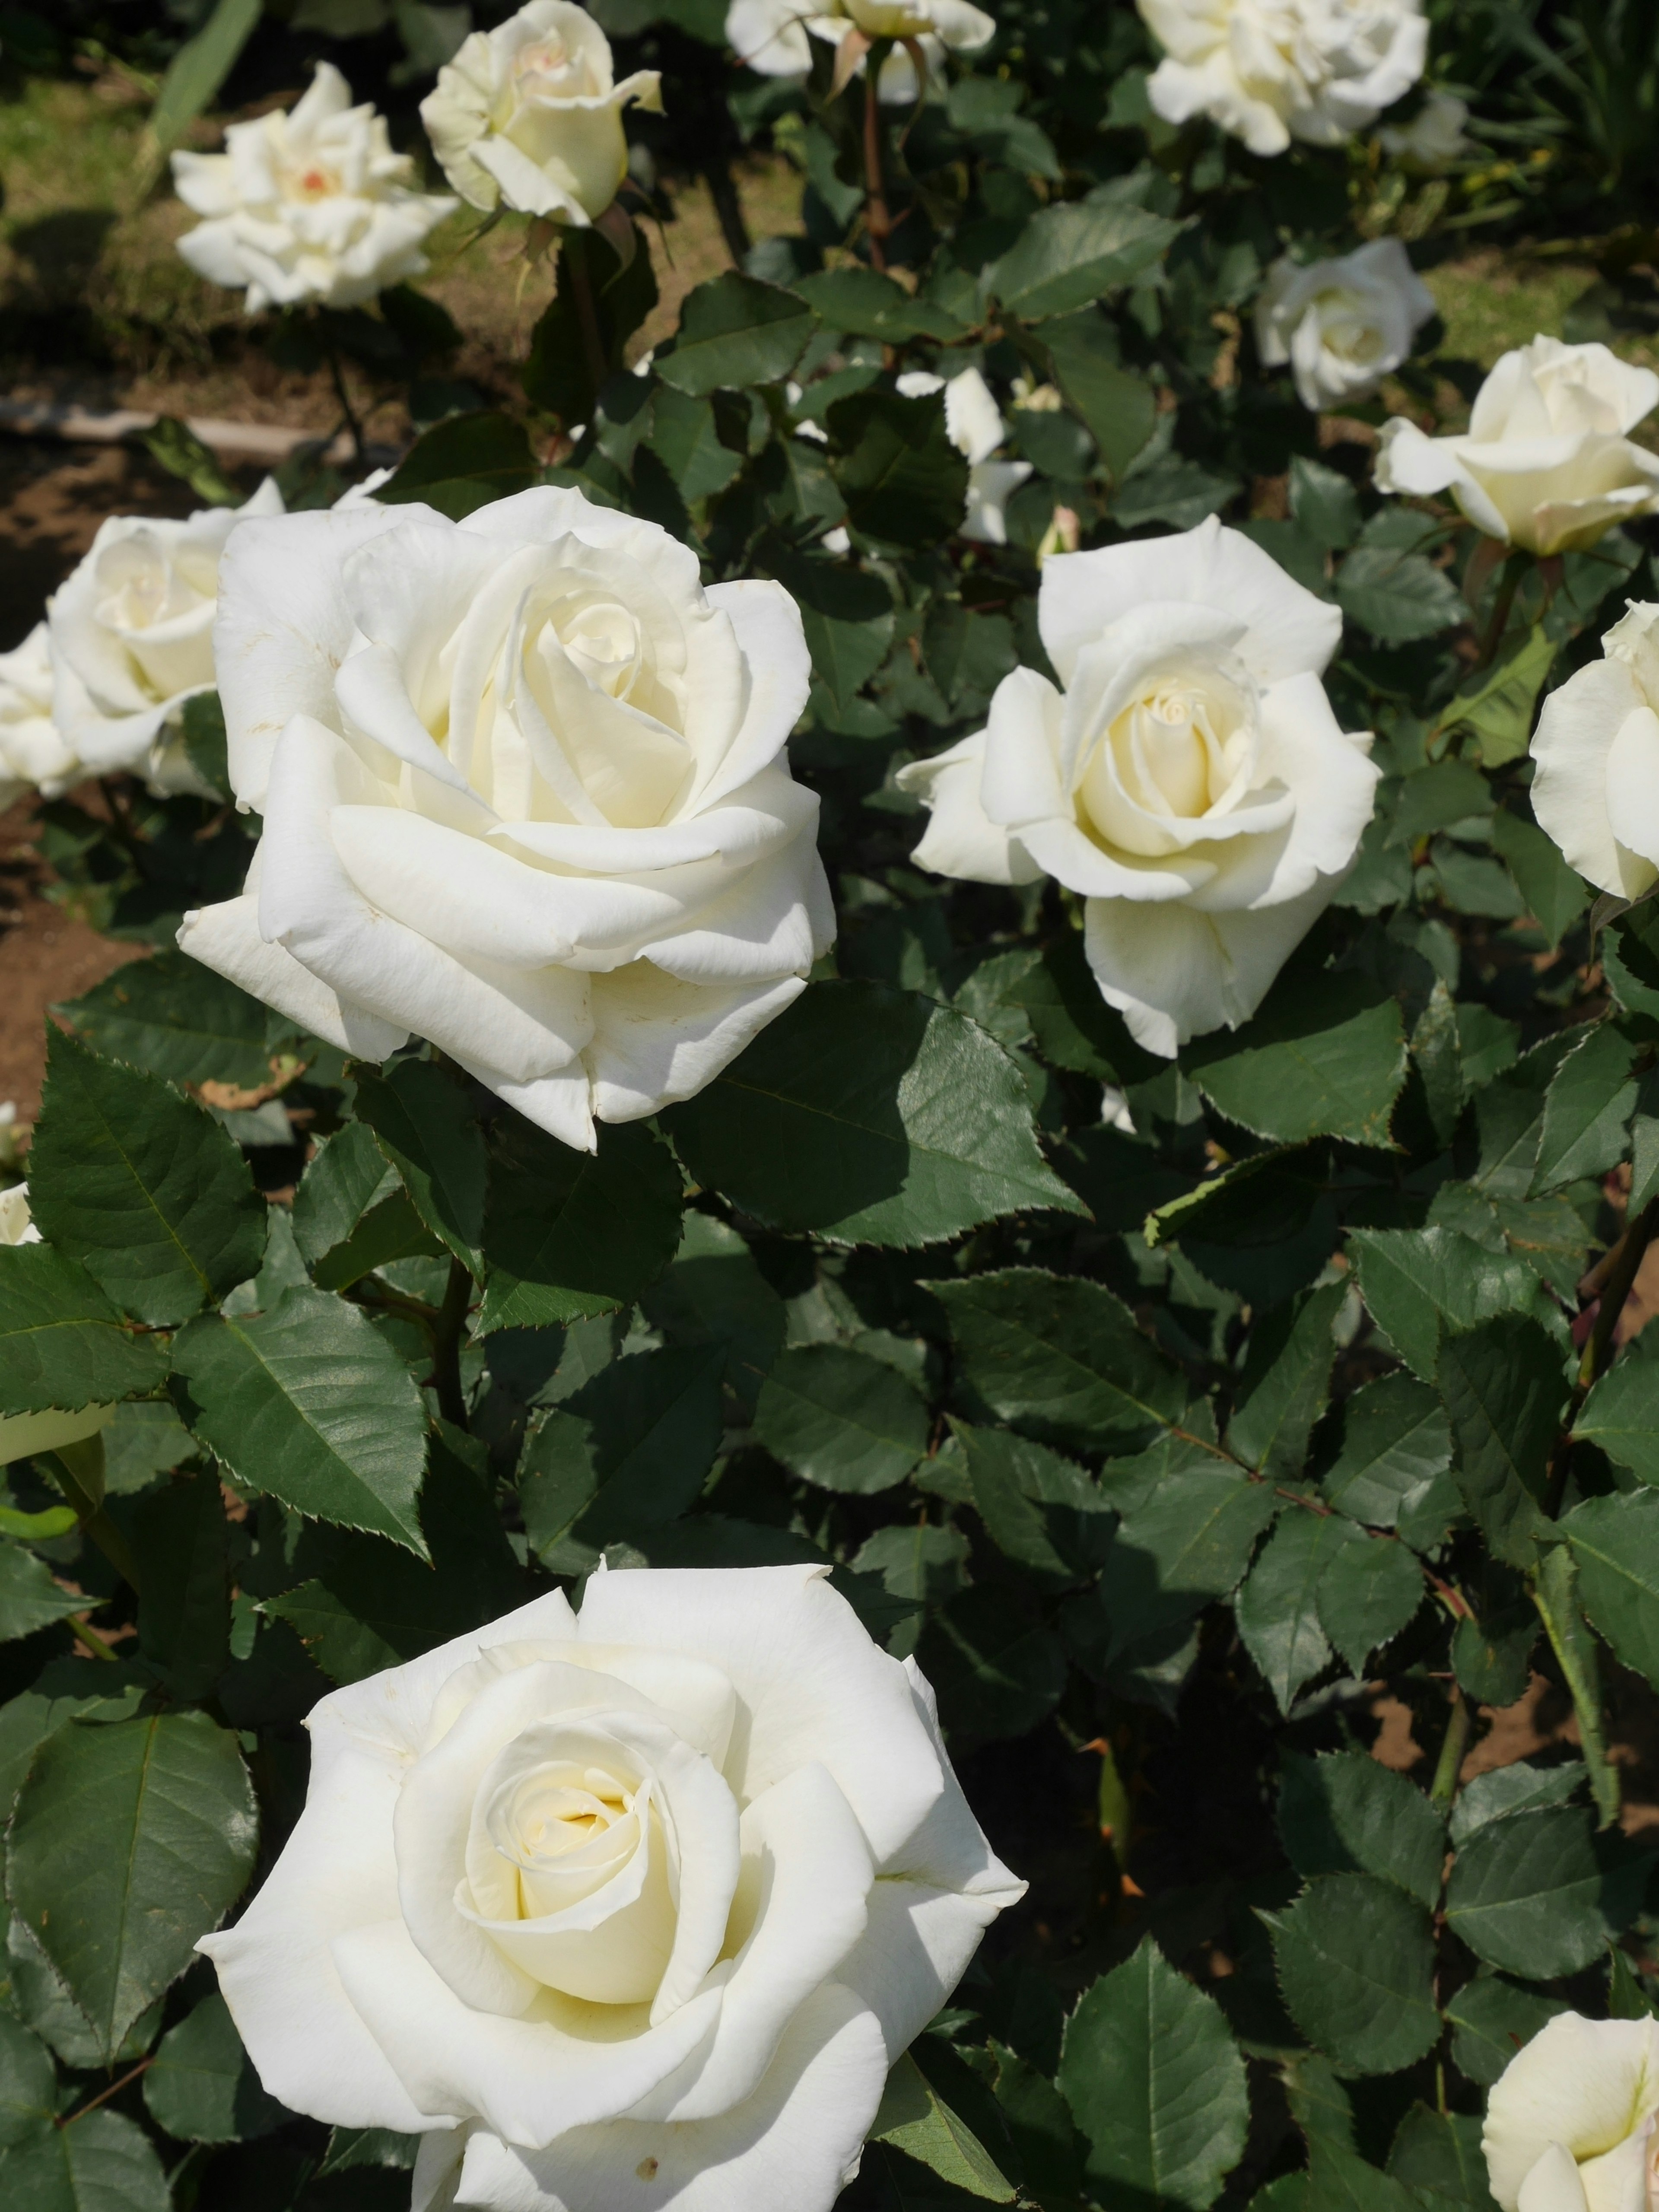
x: 548, y: 70
x: 1174, y: 753
x: 564, y: 1830
x: 1347, y: 327
x: 315, y: 182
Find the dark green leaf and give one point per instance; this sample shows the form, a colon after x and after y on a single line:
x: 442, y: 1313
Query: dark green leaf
x: 569, y: 1233
x: 61, y: 1342
x: 916, y: 2120
x: 1416, y: 1281
x: 198, y: 69
x: 1395, y: 1440
x: 424, y: 1123
x: 1398, y: 596
x: 1325, y: 1057
x: 1439, y: 2153
x: 1506, y: 1395
x: 1068, y: 254
x: 173, y: 1018
x: 142, y: 1185
x: 1278, y: 1608
x: 840, y: 1419
x: 1356, y: 1964
x: 1342, y: 1812
x: 997, y: 1669
x: 103, y: 2163
x: 1587, y: 1110
x: 310, y: 1403
x: 863, y: 303
x: 686, y: 436
x: 202, y: 2087
x: 1324, y: 502
x: 715, y: 1293
x: 1156, y: 2085
x: 1499, y: 711
x: 1060, y: 1357
x: 28, y: 2083
x: 1555, y: 894
x: 1522, y: 1788
x: 1524, y: 1893
x: 1039, y: 1510
x: 845, y: 612
x: 903, y: 481
x: 168, y: 1801
x: 1189, y: 1538
x: 1285, y: 1385
x: 462, y: 463
x: 1621, y: 1414
x: 29, y: 1599
x: 735, y: 332
x: 1074, y: 1026
x: 178, y: 1535
x: 559, y: 376
x: 1491, y: 2018
x: 1615, y: 1542
x: 1119, y: 408
x: 1370, y: 1592
x: 872, y: 1116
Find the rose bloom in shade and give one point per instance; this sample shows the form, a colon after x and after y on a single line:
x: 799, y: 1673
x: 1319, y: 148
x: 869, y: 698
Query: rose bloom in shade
x: 33, y: 757
x: 312, y: 205
x: 1189, y: 780
x: 22, y: 1435
x: 1342, y: 326
x: 1271, y: 70
x: 771, y: 35
x: 1545, y: 463
x: 524, y: 794
x: 1596, y: 786
x: 131, y: 635
x: 529, y: 115
x: 973, y: 424
x: 1433, y: 139
x: 630, y: 1912
x: 1571, y: 2122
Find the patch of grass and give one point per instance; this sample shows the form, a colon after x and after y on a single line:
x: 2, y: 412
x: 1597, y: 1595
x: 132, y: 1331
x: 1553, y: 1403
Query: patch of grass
x: 1491, y: 302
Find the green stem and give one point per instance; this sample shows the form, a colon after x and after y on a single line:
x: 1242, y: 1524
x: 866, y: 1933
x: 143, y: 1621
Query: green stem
x: 574, y: 262
x: 1514, y: 569
x: 446, y: 1345
x: 1556, y: 1598
x: 343, y: 394
x: 80, y: 1471
x: 1444, y: 1788
x: 878, y: 222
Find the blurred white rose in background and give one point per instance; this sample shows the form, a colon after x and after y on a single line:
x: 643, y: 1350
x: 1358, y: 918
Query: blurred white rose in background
x: 309, y: 206
x: 1271, y: 70
x: 1189, y: 782
x: 771, y: 35
x: 1596, y: 787
x: 32, y: 754
x: 973, y: 424
x: 1545, y: 463
x: 1343, y: 325
x: 529, y: 115
x: 1433, y: 139
x: 1571, y: 2122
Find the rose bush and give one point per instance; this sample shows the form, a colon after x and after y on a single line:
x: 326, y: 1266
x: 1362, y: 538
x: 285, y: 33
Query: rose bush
x: 1545, y: 463
x: 523, y: 795
x: 1570, y: 2125
x: 1342, y: 326
x: 529, y: 115
x: 312, y: 203
x: 634, y: 1907
x: 1188, y: 780
x: 1271, y: 70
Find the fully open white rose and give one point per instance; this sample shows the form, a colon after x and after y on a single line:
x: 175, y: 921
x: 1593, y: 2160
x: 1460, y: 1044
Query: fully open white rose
x: 627, y: 1913
x: 973, y: 424
x: 524, y: 794
x: 529, y: 115
x: 1271, y: 70
x: 32, y: 754
x: 1344, y: 324
x: 312, y: 205
x: 771, y: 35
x: 21, y: 1435
x: 1545, y: 463
x: 1189, y: 782
x: 1596, y: 787
x: 1571, y: 2120
x: 131, y: 634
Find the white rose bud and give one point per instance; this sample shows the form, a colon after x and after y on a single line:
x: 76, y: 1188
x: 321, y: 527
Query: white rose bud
x: 22, y: 1435
x: 1189, y: 782
x: 525, y: 794
x: 131, y: 634
x: 32, y: 754
x: 1596, y: 787
x: 1271, y: 70
x: 1545, y: 463
x: 1571, y: 2122
x: 1343, y: 325
x: 973, y: 424
x: 1433, y: 139
x: 312, y: 205
x: 629, y: 1909
x: 771, y: 35
x: 528, y: 116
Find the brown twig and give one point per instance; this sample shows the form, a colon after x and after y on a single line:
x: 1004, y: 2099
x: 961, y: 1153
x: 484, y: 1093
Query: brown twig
x: 878, y: 222
x: 1627, y: 1256
x: 113, y: 2090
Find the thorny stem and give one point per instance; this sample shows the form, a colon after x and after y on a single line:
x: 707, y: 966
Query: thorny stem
x: 1444, y: 1788
x: 575, y: 258
x: 341, y: 392
x: 97, y: 1647
x: 878, y: 222
x: 1514, y: 569
x: 113, y: 2090
x: 446, y: 1345
x: 1626, y: 1257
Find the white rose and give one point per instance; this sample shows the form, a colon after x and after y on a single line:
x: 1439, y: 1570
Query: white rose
x: 1433, y: 139
x: 524, y: 794
x: 1271, y: 70
x: 1571, y: 2122
x: 22, y: 1435
x: 627, y: 1913
x: 1190, y: 781
x: 528, y: 115
x: 312, y: 205
x: 973, y: 424
x: 1343, y: 325
x: 32, y: 754
x: 132, y: 632
x: 1545, y: 463
x: 1596, y: 787
x: 771, y: 35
